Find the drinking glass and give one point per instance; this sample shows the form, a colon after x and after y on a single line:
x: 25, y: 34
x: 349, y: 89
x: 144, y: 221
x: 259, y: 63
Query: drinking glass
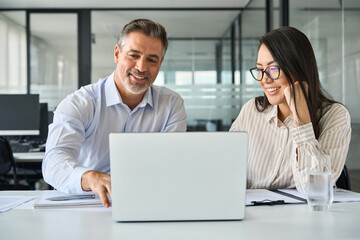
x: 319, y: 183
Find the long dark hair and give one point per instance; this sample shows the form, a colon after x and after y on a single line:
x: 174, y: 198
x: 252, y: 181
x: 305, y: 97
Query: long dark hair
x: 292, y: 50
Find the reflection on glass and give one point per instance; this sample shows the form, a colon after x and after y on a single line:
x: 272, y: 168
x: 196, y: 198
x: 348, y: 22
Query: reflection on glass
x: 352, y: 64
x: 205, y: 77
x: 190, y: 64
x: 53, y: 56
x: 226, y: 74
x: 250, y: 45
x: 13, y: 70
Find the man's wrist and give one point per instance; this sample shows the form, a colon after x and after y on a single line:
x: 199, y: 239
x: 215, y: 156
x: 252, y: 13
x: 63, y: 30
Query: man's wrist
x: 85, y: 180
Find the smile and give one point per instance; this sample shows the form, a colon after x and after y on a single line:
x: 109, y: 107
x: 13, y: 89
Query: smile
x: 138, y: 77
x: 273, y: 89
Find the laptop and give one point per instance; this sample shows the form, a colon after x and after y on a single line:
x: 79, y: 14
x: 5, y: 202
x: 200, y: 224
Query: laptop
x: 189, y: 176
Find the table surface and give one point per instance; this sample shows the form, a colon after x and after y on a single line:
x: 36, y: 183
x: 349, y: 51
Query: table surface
x: 29, y: 157
x: 292, y: 221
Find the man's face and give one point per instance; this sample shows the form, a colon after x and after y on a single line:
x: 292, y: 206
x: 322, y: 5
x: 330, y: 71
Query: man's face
x: 137, y: 63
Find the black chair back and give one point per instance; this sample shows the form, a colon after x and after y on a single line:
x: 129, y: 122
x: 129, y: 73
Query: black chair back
x: 344, y: 180
x: 6, y: 157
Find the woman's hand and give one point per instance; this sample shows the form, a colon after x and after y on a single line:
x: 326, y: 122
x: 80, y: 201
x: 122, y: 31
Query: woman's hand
x: 302, y: 115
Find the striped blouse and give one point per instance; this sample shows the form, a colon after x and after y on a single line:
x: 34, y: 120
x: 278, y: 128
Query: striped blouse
x: 278, y: 151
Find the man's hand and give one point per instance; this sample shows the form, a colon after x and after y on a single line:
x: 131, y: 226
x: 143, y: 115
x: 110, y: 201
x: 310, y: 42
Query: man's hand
x: 302, y: 115
x: 98, y: 182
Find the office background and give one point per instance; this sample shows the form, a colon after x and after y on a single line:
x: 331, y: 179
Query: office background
x: 51, y: 48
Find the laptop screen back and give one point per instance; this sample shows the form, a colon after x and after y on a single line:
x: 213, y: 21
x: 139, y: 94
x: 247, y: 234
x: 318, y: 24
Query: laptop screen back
x: 178, y: 176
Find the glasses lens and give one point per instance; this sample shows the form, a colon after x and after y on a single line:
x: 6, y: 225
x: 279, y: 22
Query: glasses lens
x: 256, y: 73
x: 273, y: 71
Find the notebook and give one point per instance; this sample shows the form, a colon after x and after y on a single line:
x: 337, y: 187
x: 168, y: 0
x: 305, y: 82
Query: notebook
x: 191, y: 176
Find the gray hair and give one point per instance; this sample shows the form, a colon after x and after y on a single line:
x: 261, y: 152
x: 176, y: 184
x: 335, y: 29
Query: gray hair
x: 147, y: 27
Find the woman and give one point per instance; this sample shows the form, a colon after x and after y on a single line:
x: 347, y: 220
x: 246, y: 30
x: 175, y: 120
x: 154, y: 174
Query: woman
x: 294, y: 120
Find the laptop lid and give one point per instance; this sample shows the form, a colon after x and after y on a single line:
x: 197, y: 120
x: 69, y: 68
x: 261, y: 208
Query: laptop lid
x: 178, y: 176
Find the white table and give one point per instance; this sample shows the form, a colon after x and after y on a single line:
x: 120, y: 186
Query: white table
x: 293, y: 221
x: 29, y: 157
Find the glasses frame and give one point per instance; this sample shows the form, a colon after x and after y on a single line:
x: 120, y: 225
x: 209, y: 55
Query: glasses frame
x: 264, y: 71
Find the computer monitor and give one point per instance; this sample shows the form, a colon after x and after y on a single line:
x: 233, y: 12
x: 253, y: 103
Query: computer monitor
x: 19, y: 114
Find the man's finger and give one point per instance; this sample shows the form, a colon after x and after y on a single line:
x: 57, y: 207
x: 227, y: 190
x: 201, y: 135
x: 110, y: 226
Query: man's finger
x: 103, y: 197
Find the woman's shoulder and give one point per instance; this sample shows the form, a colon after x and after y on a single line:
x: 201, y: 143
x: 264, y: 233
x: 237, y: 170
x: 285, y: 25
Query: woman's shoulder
x: 251, y: 106
x: 335, y: 115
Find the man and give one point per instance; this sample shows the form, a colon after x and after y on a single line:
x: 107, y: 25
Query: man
x: 77, y: 148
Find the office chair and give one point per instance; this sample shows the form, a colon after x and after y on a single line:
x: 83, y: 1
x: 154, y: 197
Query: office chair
x: 344, y: 180
x: 6, y: 164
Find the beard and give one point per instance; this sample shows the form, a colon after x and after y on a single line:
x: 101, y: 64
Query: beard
x: 134, y: 87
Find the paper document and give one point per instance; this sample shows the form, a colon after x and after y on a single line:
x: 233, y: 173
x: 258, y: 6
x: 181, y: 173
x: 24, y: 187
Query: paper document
x: 46, y: 200
x: 340, y: 195
x: 259, y: 196
x: 9, y: 202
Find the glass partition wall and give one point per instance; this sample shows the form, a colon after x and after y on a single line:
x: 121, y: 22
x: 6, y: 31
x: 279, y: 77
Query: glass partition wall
x: 53, y: 56
x: 332, y: 30
x: 203, y: 61
x: 210, y: 52
x: 13, y: 62
x: 200, y: 63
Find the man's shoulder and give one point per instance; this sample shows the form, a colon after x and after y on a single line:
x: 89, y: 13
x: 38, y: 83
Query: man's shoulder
x: 161, y: 92
x: 84, y: 97
x: 90, y: 91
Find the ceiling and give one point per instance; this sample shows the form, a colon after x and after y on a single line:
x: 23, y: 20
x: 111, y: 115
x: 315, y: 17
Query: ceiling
x: 120, y: 3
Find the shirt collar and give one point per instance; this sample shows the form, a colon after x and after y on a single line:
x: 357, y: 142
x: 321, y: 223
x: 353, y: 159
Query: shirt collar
x: 272, y: 113
x: 113, y: 96
x: 148, y: 98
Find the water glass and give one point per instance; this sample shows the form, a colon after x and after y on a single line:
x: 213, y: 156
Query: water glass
x: 319, y: 183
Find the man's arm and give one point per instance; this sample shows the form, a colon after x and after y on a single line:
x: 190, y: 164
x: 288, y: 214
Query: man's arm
x: 60, y: 166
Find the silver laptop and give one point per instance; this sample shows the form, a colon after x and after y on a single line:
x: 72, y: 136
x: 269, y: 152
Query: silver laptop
x: 188, y: 176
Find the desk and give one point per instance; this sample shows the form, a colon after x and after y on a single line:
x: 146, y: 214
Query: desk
x: 293, y: 221
x: 29, y: 157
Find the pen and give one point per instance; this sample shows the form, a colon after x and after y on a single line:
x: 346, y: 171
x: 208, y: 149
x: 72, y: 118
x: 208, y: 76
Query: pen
x: 268, y: 202
x: 71, y: 197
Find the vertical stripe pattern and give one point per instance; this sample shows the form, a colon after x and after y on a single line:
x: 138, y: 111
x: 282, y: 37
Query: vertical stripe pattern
x: 279, y: 155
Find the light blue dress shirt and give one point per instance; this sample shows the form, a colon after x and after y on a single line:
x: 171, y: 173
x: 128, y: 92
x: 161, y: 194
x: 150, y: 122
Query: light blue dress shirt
x: 78, y: 138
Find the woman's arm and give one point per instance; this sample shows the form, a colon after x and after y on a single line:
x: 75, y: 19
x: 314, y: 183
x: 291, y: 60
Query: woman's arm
x: 334, y: 140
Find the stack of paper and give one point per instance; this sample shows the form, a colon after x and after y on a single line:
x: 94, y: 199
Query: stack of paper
x: 9, y: 202
x: 340, y: 195
x: 56, y: 199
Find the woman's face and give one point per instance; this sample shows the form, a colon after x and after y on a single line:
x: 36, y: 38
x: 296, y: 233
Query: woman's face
x: 274, y: 89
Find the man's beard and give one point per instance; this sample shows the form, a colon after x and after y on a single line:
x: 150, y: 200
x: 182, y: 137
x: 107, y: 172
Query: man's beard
x: 134, y: 87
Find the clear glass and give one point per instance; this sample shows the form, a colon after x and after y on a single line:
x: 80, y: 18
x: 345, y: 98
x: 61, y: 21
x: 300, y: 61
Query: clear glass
x: 332, y: 27
x: 190, y: 66
x: 53, y: 56
x: 319, y: 183
x: 252, y: 27
x: 226, y: 75
x: 351, y: 83
x: 13, y: 70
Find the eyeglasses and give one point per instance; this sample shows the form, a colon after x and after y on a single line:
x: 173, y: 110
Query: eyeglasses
x: 272, y: 72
